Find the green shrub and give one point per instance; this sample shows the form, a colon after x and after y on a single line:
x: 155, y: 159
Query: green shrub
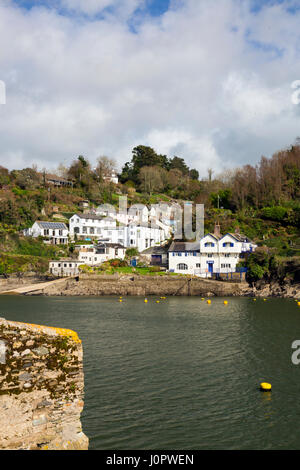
x: 277, y: 213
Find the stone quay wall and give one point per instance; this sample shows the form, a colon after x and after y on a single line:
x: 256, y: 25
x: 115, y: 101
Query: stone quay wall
x: 89, y: 284
x: 41, y: 388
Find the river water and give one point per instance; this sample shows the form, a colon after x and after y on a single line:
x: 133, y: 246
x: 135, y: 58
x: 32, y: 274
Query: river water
x: 180, y: 374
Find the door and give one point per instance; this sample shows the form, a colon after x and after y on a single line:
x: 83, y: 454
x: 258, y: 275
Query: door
x: 210, y: 267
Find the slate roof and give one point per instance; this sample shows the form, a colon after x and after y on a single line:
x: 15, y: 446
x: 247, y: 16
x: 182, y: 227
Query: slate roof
x: 185, y: 246
x: 110, y: 245
x: 92, y: 216
x: 52, y: 225
x: 238, y: 237
x: 217, y: 237
x: 155, y: 250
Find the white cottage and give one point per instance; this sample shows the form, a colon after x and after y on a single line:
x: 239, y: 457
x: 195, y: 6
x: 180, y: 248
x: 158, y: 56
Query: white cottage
x: 214, y: 254
x: 95, y: 255
x: 55, y: 233
x: 64, y: 267
x: 184, y: 257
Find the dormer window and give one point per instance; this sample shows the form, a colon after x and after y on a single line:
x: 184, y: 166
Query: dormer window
x: 209, y: 244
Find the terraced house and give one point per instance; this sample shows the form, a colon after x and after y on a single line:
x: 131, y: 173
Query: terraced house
x: 213, y: 254
x: 89, y: 225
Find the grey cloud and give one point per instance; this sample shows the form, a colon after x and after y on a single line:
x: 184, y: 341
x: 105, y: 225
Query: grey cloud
x: 187, y: 83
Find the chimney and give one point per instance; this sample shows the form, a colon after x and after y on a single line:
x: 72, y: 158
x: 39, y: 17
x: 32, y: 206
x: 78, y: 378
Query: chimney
x: 217, y: 230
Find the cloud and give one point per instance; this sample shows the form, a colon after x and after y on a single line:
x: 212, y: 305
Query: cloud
x: 204, y: 81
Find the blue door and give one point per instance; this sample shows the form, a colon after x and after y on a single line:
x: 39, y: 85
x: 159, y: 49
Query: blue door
x: 133, y: 262
x: 210, y: 267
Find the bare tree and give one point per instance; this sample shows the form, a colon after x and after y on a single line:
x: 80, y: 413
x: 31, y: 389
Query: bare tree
x: 105, y: 167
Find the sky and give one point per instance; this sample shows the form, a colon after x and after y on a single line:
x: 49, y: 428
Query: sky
x: 206, y: 80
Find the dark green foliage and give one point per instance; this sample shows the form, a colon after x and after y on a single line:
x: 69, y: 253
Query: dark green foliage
x: 277, y: 213
x: 263, y: 263
x: 131, y: 252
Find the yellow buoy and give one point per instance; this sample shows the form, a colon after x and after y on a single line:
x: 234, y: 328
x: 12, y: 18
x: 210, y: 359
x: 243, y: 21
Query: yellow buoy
x: 265, y: 387
x: 209, y: 302
x: 158, y: 301
x: 146, y: 301
x: 298, y: 303
x: 265, y: 300
x: 225, y: 302
x: 254, y: 300
x: 120, y: 300
x: 202, y: 298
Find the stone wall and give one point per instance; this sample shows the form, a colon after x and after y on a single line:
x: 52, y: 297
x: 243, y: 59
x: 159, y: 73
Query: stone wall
x: 143, y: 285
x: 41, y: 388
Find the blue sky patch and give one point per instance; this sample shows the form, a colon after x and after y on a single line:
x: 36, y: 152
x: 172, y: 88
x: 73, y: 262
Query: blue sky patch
x: 153, y: 7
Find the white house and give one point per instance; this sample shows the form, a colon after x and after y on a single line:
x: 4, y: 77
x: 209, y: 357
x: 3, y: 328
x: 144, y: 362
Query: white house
x: 112, y: 178
x: 64, y: 267
x: 214, y: 253
x: 184, y: 257
x: 55, y: 233
x: 139, y: 236
x: 95, y: 255
x: 89, y: 225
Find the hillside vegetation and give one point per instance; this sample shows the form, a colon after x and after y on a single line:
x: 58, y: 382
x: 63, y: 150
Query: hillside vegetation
x: 262, y: 201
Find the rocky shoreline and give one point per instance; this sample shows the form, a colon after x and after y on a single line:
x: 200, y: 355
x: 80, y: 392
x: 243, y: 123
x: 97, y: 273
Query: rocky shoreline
x: 274, y: 289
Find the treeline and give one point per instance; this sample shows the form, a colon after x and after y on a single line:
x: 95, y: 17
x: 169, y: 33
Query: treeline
x: 152, y: 172
x: 271, y: 188
x: 269, y: 191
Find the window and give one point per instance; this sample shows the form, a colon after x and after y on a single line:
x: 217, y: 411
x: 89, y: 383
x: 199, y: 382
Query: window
x: 76, y: 229
x: 209, y: 244
x: 227, y: 255
x: 227, y: 244
x: 182, y: 267
x: 198, y: 265
x: 210, y: 256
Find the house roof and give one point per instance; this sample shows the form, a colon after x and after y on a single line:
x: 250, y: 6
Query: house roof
x: 185, y: 246
x: 238, y: 237
x: 52, y: 225
x: 216, y: 237
x: 110, y: 245
x: 155, y: 250
x: 92, y: 216
x: 144, y: 224
x: 53, y: 177
x: 65, y: 260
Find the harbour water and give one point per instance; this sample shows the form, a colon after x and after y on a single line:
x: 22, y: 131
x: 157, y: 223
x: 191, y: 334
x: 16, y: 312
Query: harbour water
x: 180, y: 374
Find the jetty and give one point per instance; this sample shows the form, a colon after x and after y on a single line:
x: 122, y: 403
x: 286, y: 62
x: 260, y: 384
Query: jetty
x: 31, y: 288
